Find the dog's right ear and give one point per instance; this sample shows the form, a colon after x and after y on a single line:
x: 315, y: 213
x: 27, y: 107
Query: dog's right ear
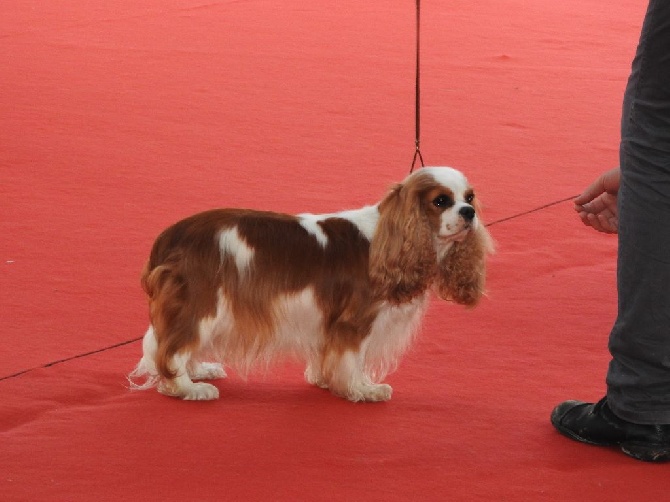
x: 402, y: 253
x: 462, y: 270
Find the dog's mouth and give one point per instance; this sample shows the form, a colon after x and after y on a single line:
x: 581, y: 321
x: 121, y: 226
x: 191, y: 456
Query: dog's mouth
x: 457, y: 237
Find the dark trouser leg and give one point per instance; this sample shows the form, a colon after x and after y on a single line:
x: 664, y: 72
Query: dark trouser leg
x: 639, y: 374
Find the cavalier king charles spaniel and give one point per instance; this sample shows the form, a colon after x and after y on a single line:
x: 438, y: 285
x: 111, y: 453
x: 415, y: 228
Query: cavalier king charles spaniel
x: 344, y: 292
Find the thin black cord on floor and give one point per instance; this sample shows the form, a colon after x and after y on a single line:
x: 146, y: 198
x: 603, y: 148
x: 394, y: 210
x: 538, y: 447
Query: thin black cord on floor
x: 71, y: 358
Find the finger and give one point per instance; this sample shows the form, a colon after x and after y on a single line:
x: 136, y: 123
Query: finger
x: 587, y: 219
x: 609, y: 224
x: 584, y: 216
x: 594, y: 222
x: 606, y: 214
x: 597, y: 205
x: 602, y: 223
x: 608, y: 182
x: 591, y: 192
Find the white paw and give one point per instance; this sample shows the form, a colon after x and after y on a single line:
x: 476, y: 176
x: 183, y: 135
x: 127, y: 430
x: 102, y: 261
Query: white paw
x: 207, y: 371
x: 190, y: 392
x: 371, y: 392
x: 200, y: 391
x: 314, y: 377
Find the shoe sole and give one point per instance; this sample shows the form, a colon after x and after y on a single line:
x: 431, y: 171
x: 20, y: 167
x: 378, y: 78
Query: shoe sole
x: 637, y: 450
x: 573, y: 435
x: 646, y: 452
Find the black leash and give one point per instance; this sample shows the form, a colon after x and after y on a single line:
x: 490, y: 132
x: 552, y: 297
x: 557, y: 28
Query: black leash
x: 417, y: 103
x: 530, y: 211
x: 71, y: 358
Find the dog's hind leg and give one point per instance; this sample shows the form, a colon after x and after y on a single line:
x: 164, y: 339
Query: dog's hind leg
x: 210, y: 328
x: 175, y: 319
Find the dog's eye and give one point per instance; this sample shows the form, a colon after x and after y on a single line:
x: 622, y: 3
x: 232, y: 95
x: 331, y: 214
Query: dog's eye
x: 443, y: 201
x: 469, y: 198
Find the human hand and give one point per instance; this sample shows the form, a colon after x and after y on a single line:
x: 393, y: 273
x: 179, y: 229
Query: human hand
x: 597, y: 205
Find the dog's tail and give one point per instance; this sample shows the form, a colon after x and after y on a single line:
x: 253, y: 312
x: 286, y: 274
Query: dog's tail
x: 145, y: 375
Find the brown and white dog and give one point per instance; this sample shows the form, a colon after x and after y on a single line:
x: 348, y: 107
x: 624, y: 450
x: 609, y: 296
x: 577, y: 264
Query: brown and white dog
x: 344, y: 292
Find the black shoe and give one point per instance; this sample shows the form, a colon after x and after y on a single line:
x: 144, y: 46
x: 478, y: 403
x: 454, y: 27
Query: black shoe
x: 596, y: 424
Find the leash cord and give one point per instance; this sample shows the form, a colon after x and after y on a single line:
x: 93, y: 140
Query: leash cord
x: 417, y: 93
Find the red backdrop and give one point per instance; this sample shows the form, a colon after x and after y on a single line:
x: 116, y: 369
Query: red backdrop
x: 118, y: 119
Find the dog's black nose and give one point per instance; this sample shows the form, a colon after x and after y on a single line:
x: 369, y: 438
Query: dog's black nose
x: 467, y: 212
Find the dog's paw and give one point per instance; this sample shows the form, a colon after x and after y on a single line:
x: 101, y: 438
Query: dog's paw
x: 207, y: 371
x: 314, y: 377
x: 370, y: 392
x: 198, y: 391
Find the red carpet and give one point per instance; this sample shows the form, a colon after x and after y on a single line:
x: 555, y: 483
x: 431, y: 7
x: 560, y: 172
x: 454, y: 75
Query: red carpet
x: 118, y: 119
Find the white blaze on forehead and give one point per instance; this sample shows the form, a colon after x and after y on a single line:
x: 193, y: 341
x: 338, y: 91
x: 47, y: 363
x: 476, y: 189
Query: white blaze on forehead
x: 310, y: 222
x: 231, y: 244
x: 451, y: 178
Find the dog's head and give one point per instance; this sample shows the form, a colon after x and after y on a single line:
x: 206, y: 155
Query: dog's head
x: 430, y: 234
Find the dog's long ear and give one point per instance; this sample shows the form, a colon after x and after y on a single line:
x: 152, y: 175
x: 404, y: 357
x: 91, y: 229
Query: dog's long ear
x: 403, y: 263
x: 462, y: 270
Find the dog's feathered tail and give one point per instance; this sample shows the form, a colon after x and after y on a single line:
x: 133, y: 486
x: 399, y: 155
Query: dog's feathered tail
x: 145, y: 375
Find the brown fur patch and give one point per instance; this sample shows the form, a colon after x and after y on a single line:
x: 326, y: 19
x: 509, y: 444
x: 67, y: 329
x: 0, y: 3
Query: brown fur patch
x: 186, y: 272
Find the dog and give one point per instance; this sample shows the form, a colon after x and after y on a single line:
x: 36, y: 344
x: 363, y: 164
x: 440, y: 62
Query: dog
x: 343, y: 292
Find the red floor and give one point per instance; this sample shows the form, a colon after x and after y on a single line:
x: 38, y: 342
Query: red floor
x: 119, y: 118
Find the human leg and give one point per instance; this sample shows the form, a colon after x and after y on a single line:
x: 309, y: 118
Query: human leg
x: 635, y: 414
x: 639, y: 374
